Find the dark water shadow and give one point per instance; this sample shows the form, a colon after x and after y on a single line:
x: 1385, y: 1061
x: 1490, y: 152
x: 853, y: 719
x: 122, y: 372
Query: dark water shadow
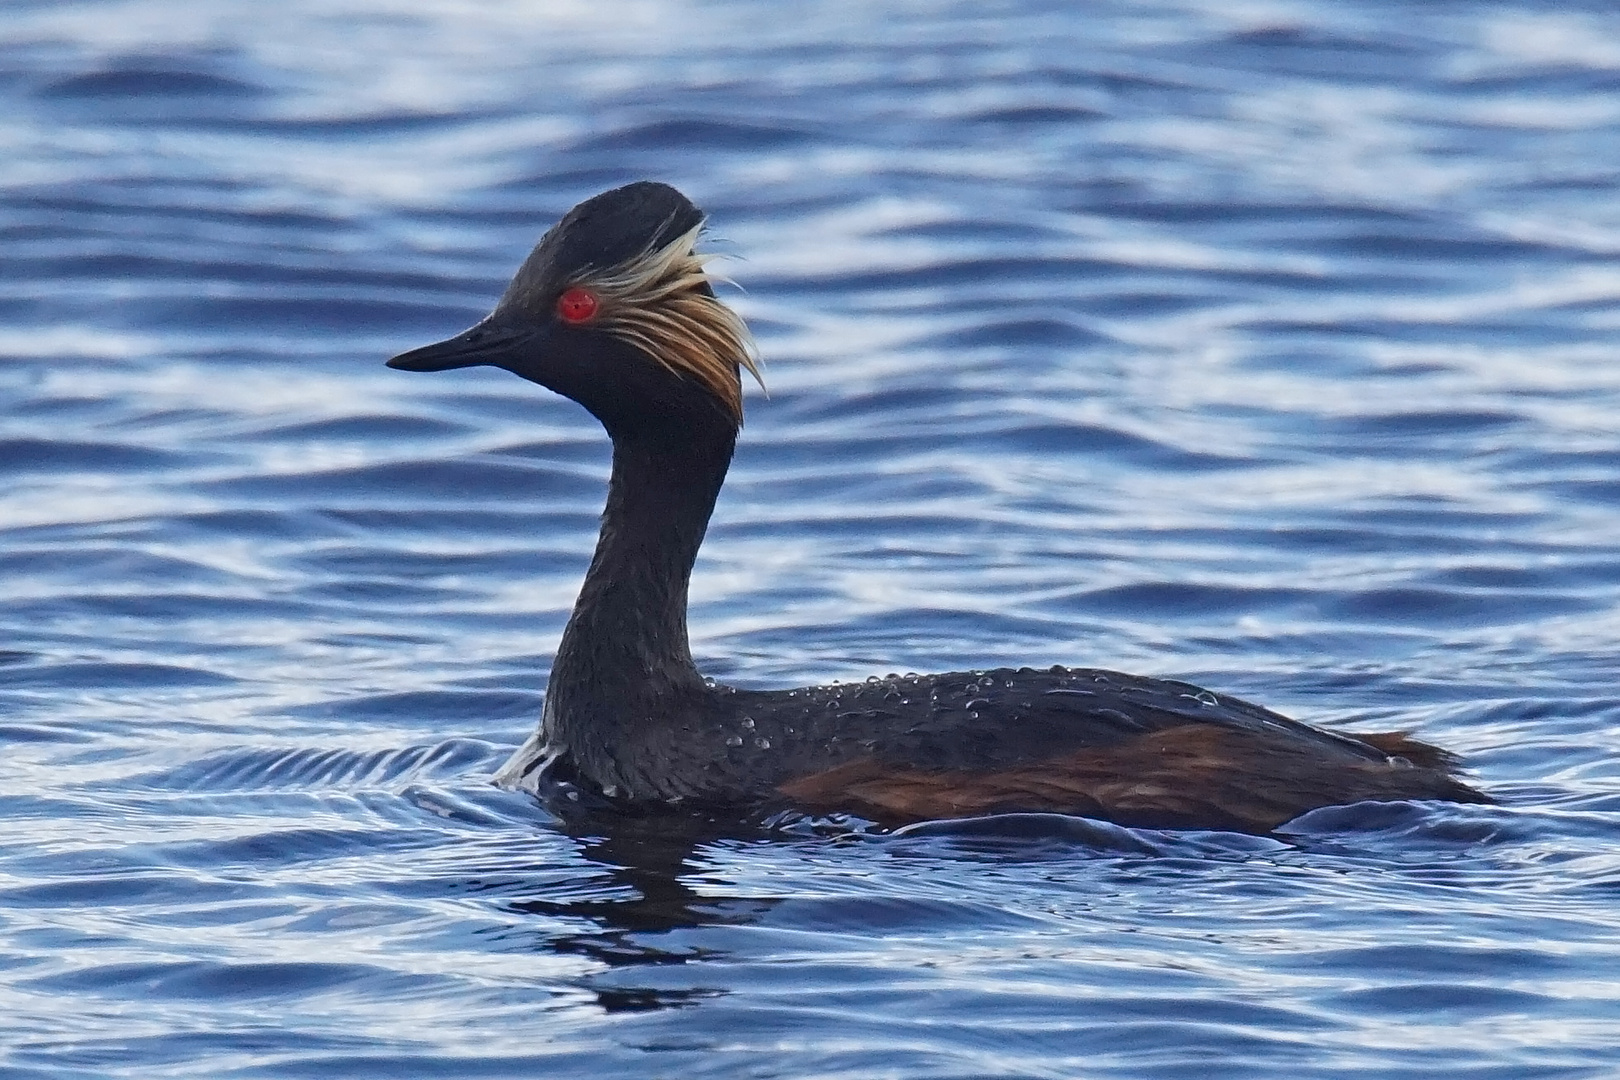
x: 646, y: 899
x: 639, y: 916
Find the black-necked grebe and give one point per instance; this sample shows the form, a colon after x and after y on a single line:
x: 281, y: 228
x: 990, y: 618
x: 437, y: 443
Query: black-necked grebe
x: 613, y: 309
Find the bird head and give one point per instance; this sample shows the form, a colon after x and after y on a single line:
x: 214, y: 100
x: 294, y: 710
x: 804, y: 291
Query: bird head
x: 614, y: 309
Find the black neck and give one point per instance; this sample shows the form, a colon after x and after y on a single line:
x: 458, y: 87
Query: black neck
x: 625, y: 646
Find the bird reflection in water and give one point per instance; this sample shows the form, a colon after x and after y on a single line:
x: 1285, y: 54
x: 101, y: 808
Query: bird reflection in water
x: 647, y: 860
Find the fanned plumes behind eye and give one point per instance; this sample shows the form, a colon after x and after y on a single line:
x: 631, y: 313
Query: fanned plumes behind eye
x: 660, y: 302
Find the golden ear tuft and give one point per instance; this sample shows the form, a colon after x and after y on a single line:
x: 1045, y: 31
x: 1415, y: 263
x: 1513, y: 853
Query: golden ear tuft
x: 661, y: 302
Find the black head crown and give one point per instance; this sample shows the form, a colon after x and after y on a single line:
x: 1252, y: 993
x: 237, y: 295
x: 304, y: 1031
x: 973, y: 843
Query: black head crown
x: 613, y: 309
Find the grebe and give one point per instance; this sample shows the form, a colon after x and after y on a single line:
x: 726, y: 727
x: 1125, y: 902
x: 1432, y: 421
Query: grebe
x: 614, y: 310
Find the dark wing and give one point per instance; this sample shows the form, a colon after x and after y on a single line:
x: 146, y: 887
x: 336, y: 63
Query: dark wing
x: 1147, y: 752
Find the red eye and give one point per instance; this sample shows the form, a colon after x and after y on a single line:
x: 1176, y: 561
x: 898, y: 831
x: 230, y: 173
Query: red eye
x: 577, y: 305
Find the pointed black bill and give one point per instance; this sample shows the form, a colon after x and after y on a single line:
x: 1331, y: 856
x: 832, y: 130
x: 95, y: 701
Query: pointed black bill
x: 492, y: 341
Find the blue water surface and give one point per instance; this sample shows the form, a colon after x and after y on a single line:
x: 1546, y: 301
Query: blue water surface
x: 1268, y: 344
